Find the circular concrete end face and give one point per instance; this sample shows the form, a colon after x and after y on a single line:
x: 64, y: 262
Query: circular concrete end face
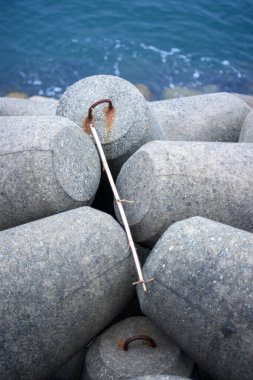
x: 158, y: 377
x: 121, y: 129
x: 76, y: 163
x: 107, y: 359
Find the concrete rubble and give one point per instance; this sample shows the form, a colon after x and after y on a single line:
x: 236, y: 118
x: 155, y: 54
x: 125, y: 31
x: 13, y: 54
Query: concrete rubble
x: 202, y: 294
x: 27, y: 107
x: 246, y: 135
x: 68, y: 303
x: 122, y: 130
x: 168, y: 181
x: 208, y: 117
x: 63, y: 279
x: 47, y: 166
x: 106, y: 358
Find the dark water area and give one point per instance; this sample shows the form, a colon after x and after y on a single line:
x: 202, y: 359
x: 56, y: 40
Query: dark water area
x: 46, y: 45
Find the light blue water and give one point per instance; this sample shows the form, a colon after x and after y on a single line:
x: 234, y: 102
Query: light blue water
x: 47, y: 45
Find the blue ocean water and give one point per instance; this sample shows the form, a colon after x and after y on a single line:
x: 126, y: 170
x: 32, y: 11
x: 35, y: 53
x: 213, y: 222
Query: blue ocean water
x: 46, y: 45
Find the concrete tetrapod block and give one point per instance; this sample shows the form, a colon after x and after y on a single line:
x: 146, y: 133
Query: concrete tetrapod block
x: 202, y: 294
x: 246, y: 135
x: 209, y: 117
x: 246, y: 98
x: 171, y: 181
x: 106, y: 358
x: 122, y: 131
x: 160, y: 378
x: 47, y: 165
x: 72, y: 369
x: 27, y: 107
x: 63, y: 279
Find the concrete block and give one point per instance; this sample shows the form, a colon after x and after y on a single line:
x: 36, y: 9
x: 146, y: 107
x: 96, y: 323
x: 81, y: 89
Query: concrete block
x: 72, y: 370
x: 106, y: 358
x: 47, y: 165
x: 160, y: 378
x: 171, y: 181
x: 246, y: 98
x: 62, y: 280
x: 122, y: 131
x: 202, y: 294
x: 27, y: 107
x: 246, y: 135
x: 209, y: 117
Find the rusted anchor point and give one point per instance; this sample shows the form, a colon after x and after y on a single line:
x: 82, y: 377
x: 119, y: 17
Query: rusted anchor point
x: 139, y: 337
x: 109, y: 113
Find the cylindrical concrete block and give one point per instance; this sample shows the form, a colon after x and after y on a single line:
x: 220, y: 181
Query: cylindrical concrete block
x: 72, y: 370
x: 47, y: 165
x: 209, y: 117
x: 160, y: 378
x: 62, y: 280
x: 202, y: 294
x: 246, y: 135
x: 106, y: 358
x: 171, y: 181
x: 246, y: 98
x: 27, y: 107
x: 124, y: 129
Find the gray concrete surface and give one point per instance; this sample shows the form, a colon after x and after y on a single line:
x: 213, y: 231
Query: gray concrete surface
x: 246, y: 135
x: 72, y: 370
x: 47, y: 165
x: 208, y: 117
x: 246, y: 98
x: 62, y: 280
x: 106, y: 358
x: 121, y: 132
x: 202, y: 294
x: 27, y: 107
x: 171, y: 181
x: 160, y: 378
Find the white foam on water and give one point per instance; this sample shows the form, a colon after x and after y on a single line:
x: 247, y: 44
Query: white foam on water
x: 163, y: 53
x: 196, y: 74
x: 57, y: 89
x: 34, y: 82
x: 205, y: 59
x: 225, y: 63
x: 116, y: 69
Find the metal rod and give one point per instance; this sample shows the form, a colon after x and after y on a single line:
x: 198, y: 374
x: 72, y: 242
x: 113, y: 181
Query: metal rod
x: 121, y: 209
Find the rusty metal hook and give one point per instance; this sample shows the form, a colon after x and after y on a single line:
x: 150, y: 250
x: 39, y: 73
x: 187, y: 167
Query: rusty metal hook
x: 139, y: 337
x: 96, y: 104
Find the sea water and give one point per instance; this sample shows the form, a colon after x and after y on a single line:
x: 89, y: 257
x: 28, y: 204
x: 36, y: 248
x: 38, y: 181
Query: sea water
x: 46, y: 45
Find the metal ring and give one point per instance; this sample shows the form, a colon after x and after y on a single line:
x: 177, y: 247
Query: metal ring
x: 139, y: 337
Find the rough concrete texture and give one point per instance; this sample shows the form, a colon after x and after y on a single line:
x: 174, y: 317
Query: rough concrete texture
x: 171, y: 181
x: 27, y: 107
x: 44, y: 99
x: 72, y: 370
x: 47, y: 165
x: 202, y: 294
x: 246, y: 98
x: 246, y: 135
x: 142, y: 253
x: 209, y: 117
x: 63, y: 279
x: 160, y: 378
x: 106, y: 358
x: 122, y: 131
